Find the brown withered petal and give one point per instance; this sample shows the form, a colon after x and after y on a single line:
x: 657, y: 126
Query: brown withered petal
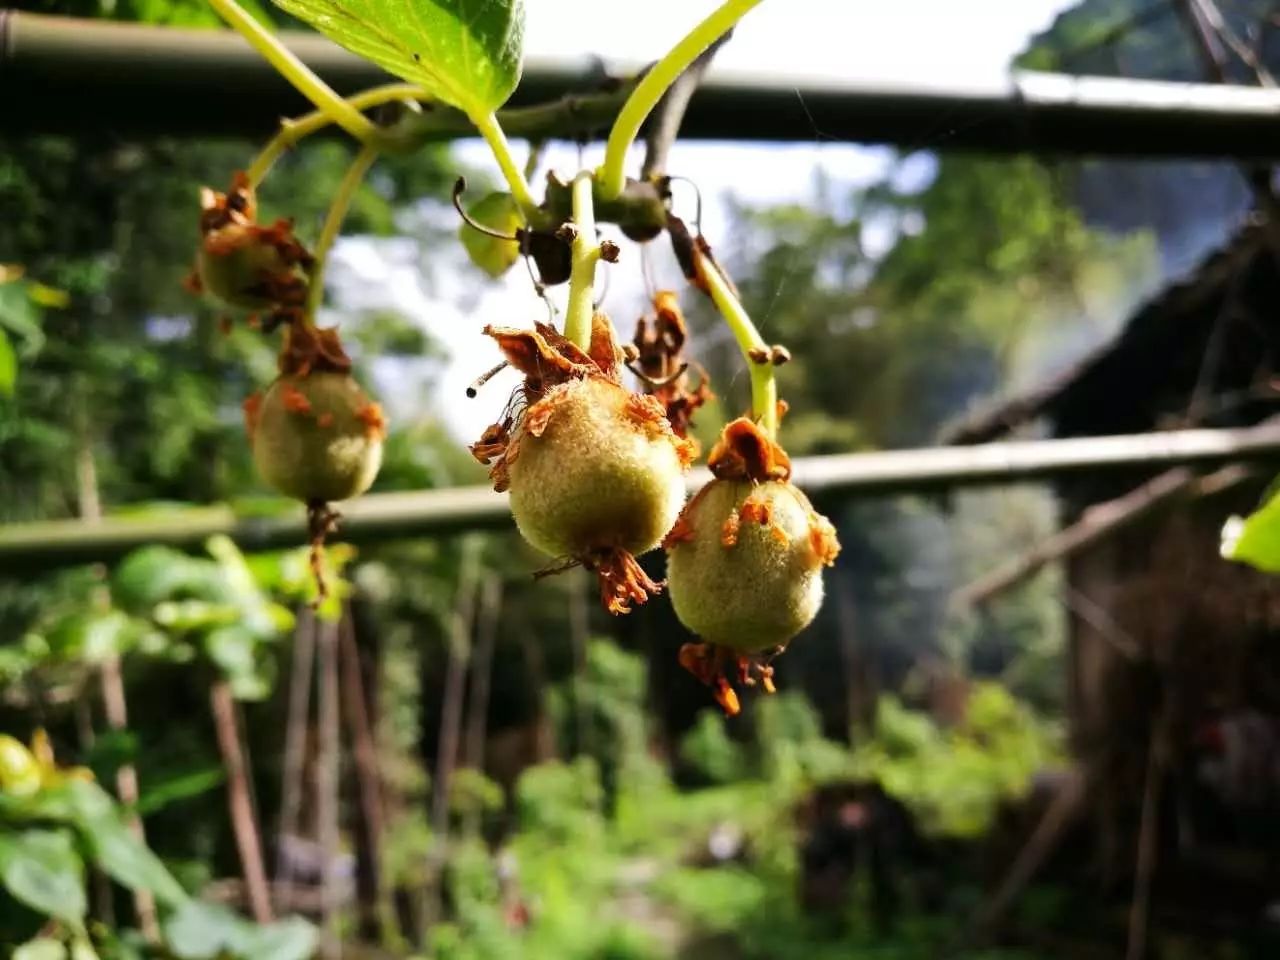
x: 745, y: 452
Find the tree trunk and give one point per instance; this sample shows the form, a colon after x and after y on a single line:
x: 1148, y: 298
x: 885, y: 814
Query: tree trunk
x: 239, y: 802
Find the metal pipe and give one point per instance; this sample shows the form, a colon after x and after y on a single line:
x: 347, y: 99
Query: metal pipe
x: 30, y: 547
x: 70, y: 76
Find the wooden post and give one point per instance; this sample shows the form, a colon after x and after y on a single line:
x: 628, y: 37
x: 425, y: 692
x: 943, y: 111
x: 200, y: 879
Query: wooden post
x: 327, y: 776
x: 114, y: 701
x: 301, y: 678
x: 481, y: 669
x: 375, y: 910
x: 239, y: 802
x: 458, y: 640
x: 578, y: 584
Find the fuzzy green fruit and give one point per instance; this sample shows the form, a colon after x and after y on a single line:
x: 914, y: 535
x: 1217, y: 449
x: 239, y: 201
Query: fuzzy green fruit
x: 250, y: 275
x: 595, y: 468
x: 493, y: 255
x: 744, y: 567
x: 316, y: 438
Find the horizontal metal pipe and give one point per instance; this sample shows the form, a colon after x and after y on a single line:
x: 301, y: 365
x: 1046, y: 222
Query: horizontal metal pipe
x: 63, y: 75
x: 30, y: 547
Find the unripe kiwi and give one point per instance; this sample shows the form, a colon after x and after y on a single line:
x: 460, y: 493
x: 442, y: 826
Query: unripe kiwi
x: 316, y: 437
x: 603, y: 471
x: 237, y: 276
x: 741, y: 583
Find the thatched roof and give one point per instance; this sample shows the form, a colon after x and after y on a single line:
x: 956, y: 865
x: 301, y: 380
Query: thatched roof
x: 1201, y: 352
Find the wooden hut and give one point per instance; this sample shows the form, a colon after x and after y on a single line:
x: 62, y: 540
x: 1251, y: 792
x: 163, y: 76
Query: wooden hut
x: 1173, y: 651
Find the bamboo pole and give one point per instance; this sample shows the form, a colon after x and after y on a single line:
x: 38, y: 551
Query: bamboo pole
x: 32, y: 547
x: 183, y: 82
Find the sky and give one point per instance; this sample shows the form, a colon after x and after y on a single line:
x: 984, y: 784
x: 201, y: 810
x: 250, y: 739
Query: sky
x: 944, y: 41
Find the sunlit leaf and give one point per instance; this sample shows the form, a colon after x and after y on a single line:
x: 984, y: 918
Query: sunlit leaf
x: 42, y: 948
x: 20, y: 314
x: 8, y: 366
x: 1255, y: 539
x: 19, y: 772
x: 181, y: 616
x: 291, y: 939
x: 152, y: 574
x: 199, y: 931
x: 465, y: 52
x: 231, y: 650
x: 42, y: 869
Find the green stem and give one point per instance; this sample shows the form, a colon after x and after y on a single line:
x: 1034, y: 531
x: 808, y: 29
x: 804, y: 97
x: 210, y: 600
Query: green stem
x: 650, y: 90
x: 333, y: 223
x: 295, y: 71
x: 491, y: 130
x: 764, y: 388
x: 582, y: 277
x: 291, y: 131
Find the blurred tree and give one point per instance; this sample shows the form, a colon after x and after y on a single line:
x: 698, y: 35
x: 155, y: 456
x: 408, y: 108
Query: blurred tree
x: 1150, y: 39
x: 902, y: 305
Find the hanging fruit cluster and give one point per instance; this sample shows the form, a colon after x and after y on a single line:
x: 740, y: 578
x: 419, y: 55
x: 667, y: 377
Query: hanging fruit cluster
x: 315, y: 434
x: 595, y: 470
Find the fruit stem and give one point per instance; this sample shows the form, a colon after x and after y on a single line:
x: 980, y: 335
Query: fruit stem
x: 764, y: 387
x: 293, y: 130
x: 654, y: 85
x: 491, y: 130
x: 582, y: 276
x: 333, y: 223
x: 295, y: 71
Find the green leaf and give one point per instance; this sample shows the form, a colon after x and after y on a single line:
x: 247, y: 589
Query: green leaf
x: 20, y: 313
x: 8, y: 366
x: 92, y: 637
x: 1255, y: 539
x: 42, y: 948
x: 126, y: 859
x: 464, y: 52
x: 42, y: 869
x: 499, y: 212
x: 198, y: 931
x: 181, y: 616
x: 152, y: 574
x: 290, y: 939
x: 182, y: 786
x: 231, y: 650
